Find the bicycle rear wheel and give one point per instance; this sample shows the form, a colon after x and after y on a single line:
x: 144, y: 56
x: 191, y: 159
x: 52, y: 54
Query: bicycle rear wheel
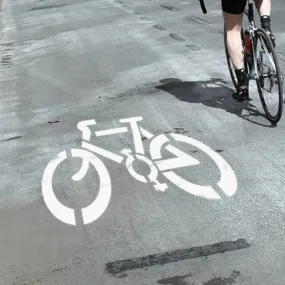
x: 269, y: 75
x: 229, y: 62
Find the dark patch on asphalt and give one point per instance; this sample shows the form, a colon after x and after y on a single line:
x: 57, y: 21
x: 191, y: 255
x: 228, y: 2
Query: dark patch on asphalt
x: 15, y: 44
x: 176, y: 37
x: 39, y: 279
x: 223, y: 280
x: 53, y: 121
x: 123, y: 275
x: 118, y: 1
x: 180, y: 131
x: 203, y: 20
x: 193, y: 47
x: 137, y: 13
x: 47, y: 7
x: 174, y: 256
x: 196, y: 20
x: 11, y: 139
x: 219, y: 150
x: 159, y: 27
x: 169, y: 7
x: 144, y: 18
x: 7, y: 49
x: 175, y: 280
x: 7, y: 44
x: 6, y: 60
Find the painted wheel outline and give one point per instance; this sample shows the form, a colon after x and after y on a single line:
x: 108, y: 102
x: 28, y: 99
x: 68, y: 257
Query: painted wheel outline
x: 96, y: 208
x: 227, y: 183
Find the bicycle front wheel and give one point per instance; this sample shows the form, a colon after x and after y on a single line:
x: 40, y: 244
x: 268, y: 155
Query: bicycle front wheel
x: 269, y: 81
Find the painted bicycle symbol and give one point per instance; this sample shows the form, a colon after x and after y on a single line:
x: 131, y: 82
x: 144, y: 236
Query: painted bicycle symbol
x: 157, y: 165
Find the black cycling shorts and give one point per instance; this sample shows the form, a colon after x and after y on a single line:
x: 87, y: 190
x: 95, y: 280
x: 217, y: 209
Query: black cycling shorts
x: 233, y: 6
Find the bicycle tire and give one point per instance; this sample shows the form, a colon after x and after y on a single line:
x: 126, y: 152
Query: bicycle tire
x: 273, y: 119
x: 229, y: 63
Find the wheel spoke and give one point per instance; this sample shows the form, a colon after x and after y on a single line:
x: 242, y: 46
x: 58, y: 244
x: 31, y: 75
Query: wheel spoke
x: 269, y: 77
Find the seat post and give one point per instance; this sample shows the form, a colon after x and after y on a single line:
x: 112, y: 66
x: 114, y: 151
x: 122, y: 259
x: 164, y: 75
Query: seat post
x: 250, y: 11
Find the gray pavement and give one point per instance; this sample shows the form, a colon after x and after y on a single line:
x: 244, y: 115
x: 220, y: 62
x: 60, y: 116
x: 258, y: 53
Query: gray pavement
x: 68, y: 61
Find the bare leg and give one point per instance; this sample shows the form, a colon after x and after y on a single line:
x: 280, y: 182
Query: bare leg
x: 264, y: 10
x: 263, y: 7
x: 234, y: 43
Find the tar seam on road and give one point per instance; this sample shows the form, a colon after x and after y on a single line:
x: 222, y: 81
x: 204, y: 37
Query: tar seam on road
x: 176, y: 37
x: 174, y: 256
x: 47, y: 7
x: 159, y: 27
x: 193, y: 47
x: 11, y: 139
x: 169, y: 7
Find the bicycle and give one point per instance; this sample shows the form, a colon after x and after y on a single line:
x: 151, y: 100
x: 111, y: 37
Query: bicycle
x: 227, y: 186
x: 255, y: 68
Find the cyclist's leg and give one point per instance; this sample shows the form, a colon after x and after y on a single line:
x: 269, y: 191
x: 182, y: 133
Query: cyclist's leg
x: 233, y: 15
x: 264, y: 10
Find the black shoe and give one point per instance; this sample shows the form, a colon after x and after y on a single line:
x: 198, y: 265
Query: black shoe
x: 241, y: 94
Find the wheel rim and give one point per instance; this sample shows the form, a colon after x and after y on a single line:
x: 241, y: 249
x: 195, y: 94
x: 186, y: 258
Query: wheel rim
x: 270, y: 79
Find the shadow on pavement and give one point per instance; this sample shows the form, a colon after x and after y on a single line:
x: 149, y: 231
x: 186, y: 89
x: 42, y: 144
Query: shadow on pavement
x: 213, y: 94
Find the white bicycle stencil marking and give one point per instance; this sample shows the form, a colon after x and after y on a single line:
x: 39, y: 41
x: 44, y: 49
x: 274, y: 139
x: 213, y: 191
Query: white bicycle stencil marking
x: 157, y: 165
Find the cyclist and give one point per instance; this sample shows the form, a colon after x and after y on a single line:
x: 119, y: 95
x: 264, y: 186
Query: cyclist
x: 233, y: 15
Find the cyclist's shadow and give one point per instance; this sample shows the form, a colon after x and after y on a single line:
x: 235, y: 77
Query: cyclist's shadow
x: 211, y: 93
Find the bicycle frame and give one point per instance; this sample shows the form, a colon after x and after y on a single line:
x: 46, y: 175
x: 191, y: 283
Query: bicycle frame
x: 252, y: 30
x: 250, y: 13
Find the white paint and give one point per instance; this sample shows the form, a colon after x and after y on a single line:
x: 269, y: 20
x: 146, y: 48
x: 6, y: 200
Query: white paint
x: 136, y: 133
x: 92, y: 212
x: 194, y: 189
x: 146, y: 133
x: 111, y: 132
x: 156, y: 145
x: 182, y: 160
x: 129, y: 164
x: 159, y: 186
x: 96, y: 208
x: 227, y: 183
x: 153, y: 170
x: 83, y: 126
x: 61, y: 212
x: 82, y: 172
x: 103, y: 152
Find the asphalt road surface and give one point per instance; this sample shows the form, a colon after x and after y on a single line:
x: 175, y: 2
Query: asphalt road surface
x: 219, y: 220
